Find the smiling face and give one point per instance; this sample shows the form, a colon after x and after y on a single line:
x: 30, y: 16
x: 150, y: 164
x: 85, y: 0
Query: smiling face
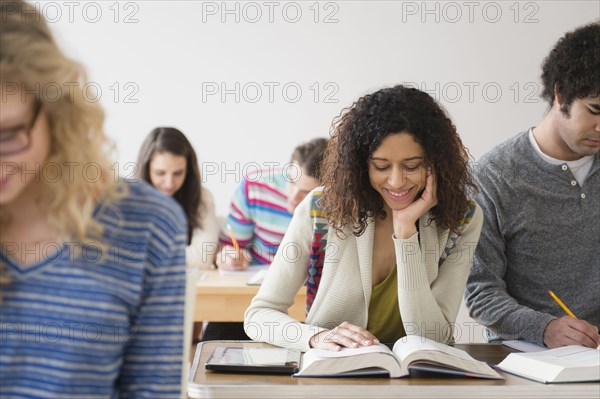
x: 578, y: 134
x: 397, y: 170
x: 167, y: 172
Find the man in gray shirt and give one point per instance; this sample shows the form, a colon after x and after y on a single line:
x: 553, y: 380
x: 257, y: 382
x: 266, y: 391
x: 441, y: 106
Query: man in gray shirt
x: 540, y: 194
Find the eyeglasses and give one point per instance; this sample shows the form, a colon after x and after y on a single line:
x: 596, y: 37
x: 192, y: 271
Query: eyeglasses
x: 13, y: 141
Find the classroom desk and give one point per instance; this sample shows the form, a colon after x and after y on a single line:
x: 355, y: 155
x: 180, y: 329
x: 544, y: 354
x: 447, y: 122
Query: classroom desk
x: 225, y: 385
x: 225, y: 297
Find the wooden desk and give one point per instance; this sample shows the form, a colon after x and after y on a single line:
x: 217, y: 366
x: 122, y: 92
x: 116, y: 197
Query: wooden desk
x: 226, y: 297
x: 222, y: 385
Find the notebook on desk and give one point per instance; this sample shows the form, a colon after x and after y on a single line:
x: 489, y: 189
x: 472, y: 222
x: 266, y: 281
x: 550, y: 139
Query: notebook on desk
x: 524, y: 346
x: 250, y: 270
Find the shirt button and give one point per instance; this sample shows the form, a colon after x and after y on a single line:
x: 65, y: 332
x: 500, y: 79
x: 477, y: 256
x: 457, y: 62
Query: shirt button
x: 582, y: 195
x: 565, y: 167
x: 573, y: 183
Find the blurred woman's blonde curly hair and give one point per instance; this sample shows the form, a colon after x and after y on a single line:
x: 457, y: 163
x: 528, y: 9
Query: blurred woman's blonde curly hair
x: 32, y: 63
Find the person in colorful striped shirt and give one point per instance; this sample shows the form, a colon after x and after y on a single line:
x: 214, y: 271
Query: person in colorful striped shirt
x: 262, y: 207
x: 260, y: 213
x: 92, y: 267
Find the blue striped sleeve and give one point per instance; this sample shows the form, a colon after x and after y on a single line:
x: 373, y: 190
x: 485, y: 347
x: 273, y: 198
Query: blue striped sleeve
x: 153, y: 355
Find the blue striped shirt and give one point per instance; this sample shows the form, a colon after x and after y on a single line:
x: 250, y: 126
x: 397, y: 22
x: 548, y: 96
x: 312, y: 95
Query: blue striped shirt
x: 100, y: 322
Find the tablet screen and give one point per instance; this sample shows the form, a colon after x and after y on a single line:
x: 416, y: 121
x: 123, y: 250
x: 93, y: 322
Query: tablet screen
x: 254, y: 360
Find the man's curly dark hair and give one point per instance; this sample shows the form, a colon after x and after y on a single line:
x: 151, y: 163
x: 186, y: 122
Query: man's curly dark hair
x: 572, y: 66
x: 350, y: 199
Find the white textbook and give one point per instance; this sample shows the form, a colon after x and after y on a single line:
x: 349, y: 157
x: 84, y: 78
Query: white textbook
x: 567, y: 364
x: 411, y: 352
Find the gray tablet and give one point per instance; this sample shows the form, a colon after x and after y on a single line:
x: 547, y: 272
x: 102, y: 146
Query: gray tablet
x: 254, y: 360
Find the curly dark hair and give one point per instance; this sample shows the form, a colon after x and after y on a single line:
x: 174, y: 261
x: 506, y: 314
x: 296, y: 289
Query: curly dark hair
x: 358, y: 131
x: 572, y: 66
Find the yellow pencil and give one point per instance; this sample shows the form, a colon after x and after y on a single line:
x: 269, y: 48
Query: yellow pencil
x: 232, y: 236
x: 565, y: 308
x: 561, y: 304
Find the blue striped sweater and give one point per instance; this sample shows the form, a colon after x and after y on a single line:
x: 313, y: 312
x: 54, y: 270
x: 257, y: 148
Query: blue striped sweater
x: 100, y: 322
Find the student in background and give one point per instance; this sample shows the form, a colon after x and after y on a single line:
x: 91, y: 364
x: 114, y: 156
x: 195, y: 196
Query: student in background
x: 168, y: 162
x: 93, y: 267
x: 261, y: 211
x: 540, y: 193
x: 262, y: 207
x: 401, y: 232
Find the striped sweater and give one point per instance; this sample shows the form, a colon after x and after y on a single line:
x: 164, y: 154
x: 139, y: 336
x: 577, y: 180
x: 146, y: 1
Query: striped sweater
x: 100, y: 323
x: 259, y: 216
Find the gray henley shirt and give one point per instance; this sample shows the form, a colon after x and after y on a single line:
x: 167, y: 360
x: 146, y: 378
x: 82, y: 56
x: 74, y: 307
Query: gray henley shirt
x: 541, y: 232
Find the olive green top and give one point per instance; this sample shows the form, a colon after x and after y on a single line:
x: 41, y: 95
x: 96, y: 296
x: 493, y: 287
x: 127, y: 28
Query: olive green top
x: 384, y: 314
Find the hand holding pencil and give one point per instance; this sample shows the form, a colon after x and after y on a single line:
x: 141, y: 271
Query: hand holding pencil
x: 569, y: 330
x: 232, y: 257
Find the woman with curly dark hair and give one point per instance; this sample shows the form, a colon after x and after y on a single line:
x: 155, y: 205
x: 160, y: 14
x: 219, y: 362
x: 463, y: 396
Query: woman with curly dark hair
x: 390, y: 235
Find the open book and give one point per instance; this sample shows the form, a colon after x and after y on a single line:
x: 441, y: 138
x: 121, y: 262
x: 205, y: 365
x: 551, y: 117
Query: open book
x: 567, y: 364
x: 409, y: 353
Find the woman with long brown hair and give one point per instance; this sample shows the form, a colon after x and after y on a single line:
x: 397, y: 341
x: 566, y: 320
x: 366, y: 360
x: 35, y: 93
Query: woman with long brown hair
x: 168, y: 162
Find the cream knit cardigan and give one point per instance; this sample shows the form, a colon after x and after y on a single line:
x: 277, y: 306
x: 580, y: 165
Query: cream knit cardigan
x: 429, y: 295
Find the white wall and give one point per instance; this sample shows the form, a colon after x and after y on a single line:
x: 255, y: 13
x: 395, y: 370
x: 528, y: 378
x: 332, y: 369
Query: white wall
x: 158, y: 63
x: 171, y: 52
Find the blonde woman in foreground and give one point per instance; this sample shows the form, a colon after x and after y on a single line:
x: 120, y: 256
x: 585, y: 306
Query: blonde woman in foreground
x: 93, y: 268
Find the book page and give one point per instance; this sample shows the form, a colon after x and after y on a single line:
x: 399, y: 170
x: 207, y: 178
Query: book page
x: 410, y: 344
x: 568, y: 356
x: 418, y: 352
x: 324, y: 353
x: 347, y: 361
